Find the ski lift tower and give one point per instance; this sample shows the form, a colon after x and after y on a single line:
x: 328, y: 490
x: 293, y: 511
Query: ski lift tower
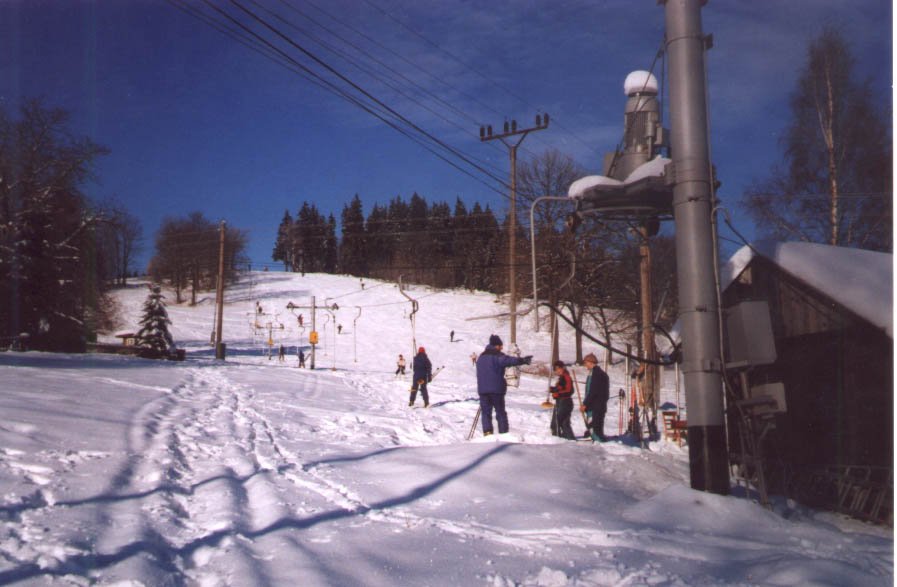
x: 656, y: 189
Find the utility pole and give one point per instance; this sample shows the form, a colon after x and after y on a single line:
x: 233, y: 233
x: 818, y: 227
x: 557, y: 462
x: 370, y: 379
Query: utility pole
x: 313, y: 336
x: 510, y: 130
x: 647, y: 305
x: 219, y: 294
x: 692, y: 209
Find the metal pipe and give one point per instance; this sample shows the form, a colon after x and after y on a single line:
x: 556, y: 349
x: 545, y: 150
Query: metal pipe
x: 532, y: 238
x: 355, y: 335
x: 692, y: 204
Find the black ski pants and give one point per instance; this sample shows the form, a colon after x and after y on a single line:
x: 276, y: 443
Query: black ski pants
x: 596, y: 423
x: 560, y: 418
x: 422, y: 385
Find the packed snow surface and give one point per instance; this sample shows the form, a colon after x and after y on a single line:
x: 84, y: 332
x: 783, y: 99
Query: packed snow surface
x: 250, y: 471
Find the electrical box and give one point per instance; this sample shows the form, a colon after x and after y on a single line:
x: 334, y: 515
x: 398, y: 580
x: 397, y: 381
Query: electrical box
x: 774, y: 393
x: 749, y: 337
x: 313, y: 337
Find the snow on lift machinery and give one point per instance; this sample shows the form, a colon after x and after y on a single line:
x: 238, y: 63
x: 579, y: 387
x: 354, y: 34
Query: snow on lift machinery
x: 636, y: 185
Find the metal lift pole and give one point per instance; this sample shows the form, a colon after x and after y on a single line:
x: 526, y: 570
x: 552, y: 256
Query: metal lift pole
x: 692, y: 205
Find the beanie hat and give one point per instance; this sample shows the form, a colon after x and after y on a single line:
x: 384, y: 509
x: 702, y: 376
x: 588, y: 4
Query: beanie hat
x: 559, y: 363
x: 421, y: 350
x: 590, y: 358
x: 494, y: 340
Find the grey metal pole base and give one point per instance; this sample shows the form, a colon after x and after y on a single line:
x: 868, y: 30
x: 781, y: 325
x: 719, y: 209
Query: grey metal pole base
x: 709, y: 466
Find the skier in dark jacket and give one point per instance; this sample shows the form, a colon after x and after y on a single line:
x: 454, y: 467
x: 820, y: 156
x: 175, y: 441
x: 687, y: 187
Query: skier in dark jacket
x: 594, y: 404
x: 562, y: 392
x: 422, y: 372
x: 491, y: 384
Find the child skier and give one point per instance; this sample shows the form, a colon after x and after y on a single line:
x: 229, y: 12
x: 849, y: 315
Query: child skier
x: 562, y: 392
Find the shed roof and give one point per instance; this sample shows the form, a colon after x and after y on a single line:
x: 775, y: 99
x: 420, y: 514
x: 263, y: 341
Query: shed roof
x: 860, y: 280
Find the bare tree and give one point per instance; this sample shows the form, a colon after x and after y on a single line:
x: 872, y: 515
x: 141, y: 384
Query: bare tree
x: 187, y: 253
x: 834, y: 185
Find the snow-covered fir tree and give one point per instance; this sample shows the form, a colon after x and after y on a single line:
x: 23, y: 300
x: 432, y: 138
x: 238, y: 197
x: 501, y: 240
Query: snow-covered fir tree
x: 154, y: 332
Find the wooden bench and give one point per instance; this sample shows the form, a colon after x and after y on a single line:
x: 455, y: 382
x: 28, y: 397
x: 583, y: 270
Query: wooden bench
x: 674, y: 428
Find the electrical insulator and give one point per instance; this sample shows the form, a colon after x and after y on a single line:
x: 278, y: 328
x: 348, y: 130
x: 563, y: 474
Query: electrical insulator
x: 538, y: 120
x: 506, y: 126
x: 513, y: 126
x: 545, y: 119
x: 482, y: 132
x: 489, y: 130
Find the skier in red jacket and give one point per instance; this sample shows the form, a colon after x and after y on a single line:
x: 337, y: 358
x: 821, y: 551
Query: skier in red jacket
x: 562, y: 392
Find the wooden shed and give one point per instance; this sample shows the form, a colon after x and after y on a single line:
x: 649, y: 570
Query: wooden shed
x: 831, y: 315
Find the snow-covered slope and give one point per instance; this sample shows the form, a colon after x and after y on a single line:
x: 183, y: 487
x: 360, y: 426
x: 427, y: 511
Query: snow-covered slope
x: 124, y: 471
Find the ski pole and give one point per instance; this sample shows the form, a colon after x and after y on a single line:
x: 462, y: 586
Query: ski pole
x: 620, y: 400
x: 474, y: 427
x: 578, y: 395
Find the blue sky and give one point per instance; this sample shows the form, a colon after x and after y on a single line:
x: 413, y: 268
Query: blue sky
x: 196, y: 121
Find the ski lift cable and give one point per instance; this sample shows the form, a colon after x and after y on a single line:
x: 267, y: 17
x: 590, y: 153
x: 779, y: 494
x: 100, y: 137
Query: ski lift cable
x: 359, y: 291
x: 602, y: 344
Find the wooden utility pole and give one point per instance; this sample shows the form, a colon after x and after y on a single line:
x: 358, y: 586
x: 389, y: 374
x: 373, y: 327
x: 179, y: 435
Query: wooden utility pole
x: 510, y: 130
x: 648, y: 347
x: 219, y: 295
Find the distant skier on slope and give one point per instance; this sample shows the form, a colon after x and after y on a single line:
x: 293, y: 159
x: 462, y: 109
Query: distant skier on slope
x: 422, y: 372
x: 491, y: 384
x: 400, y: 366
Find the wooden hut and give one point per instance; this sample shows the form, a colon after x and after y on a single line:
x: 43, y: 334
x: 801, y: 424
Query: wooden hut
x: 831, y: 316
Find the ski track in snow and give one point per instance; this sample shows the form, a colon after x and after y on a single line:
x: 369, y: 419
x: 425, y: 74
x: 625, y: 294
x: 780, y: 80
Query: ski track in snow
x: 253, y: 473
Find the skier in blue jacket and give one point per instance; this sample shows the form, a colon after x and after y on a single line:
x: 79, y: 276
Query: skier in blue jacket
x: 491, y: 385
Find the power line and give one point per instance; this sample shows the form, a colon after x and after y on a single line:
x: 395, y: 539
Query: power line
x: 364, y: 92
x: 405, y: 59
x: 325, y: 84
x: 469, y: 67
x: 369, y: 71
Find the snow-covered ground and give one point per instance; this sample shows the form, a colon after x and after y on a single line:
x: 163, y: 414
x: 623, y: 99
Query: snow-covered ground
x: 124, y: 471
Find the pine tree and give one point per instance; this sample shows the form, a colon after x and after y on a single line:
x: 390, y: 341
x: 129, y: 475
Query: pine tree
x: 353, y: 251
x: 381, y: 242
x: 153, y: 333
x: 331, y: 247
x: 461, y: 245
x: 283, y: 244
